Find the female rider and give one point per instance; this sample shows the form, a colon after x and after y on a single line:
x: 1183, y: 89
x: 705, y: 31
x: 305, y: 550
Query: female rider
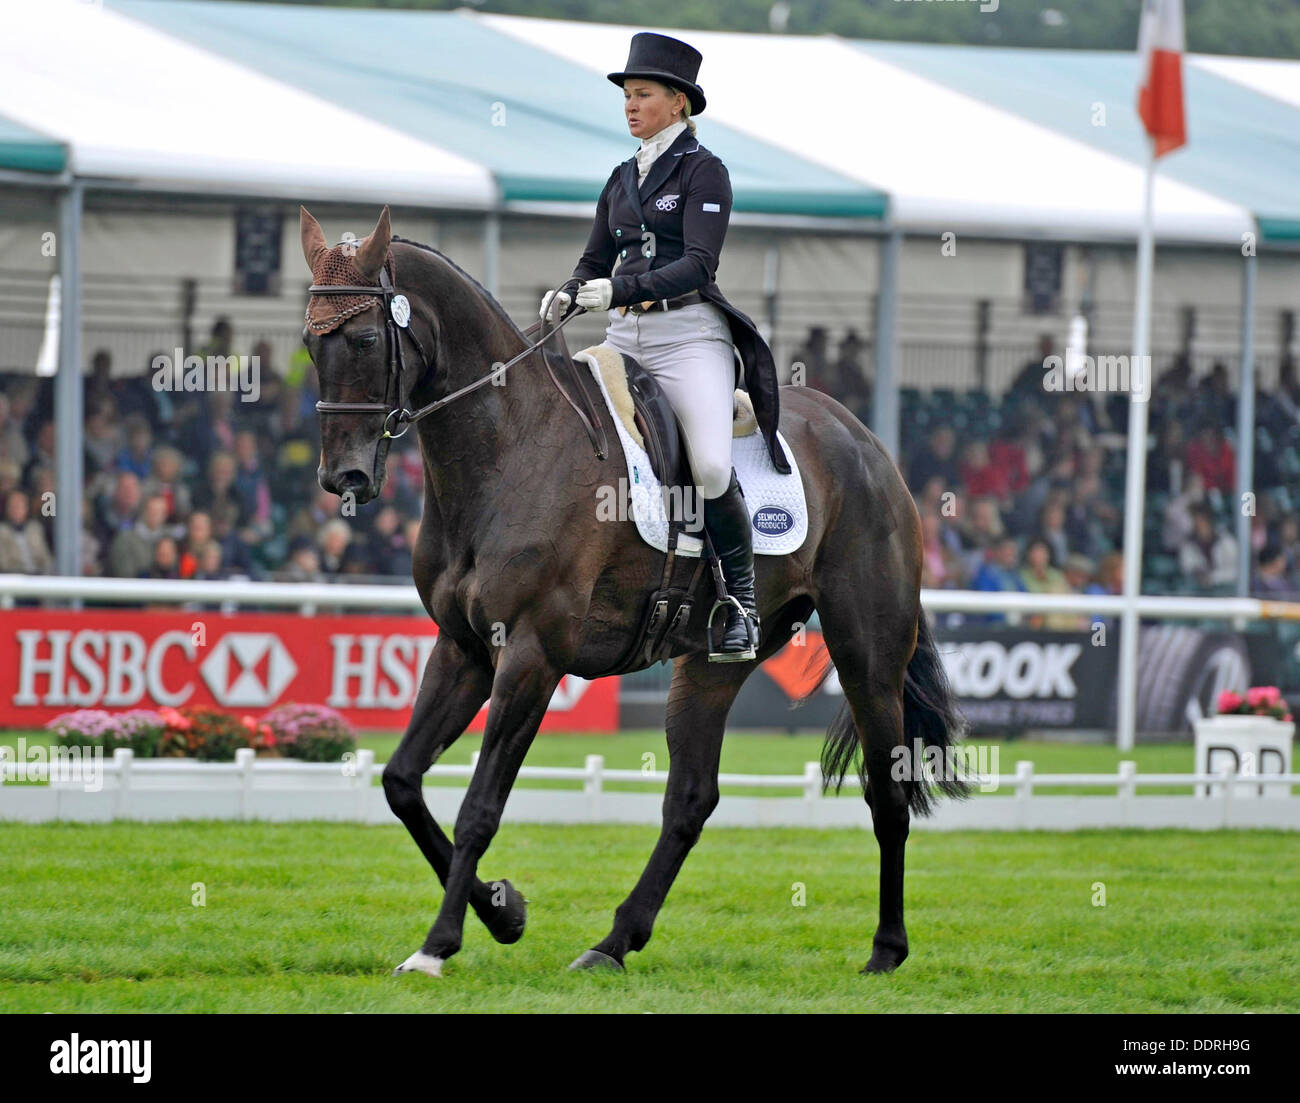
x: 661, y: 218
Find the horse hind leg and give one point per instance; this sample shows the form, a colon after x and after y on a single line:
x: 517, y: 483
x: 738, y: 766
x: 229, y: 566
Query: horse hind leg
x: 871, y: 675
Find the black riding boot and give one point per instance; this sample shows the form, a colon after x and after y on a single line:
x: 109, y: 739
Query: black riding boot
x: 727, y: 522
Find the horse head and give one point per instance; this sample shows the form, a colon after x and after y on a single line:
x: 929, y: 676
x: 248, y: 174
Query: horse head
x: 355, y: 338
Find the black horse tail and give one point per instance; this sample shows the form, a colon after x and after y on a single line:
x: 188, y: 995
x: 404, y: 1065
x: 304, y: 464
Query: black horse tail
x: 931, y: 719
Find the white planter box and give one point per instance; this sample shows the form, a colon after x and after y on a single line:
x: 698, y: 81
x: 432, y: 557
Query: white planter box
x: 1247, y: 746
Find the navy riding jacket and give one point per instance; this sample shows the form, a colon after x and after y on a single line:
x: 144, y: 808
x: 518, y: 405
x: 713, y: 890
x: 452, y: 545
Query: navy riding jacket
x: 665, y: 237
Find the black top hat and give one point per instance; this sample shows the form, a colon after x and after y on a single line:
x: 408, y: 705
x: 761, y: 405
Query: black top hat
x: 668, y: 60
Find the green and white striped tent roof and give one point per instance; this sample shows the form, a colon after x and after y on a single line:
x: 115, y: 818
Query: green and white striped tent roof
x: 473, y: 111
x: 1002, y: 141
x: 25, y: 150
x: 425, y: 108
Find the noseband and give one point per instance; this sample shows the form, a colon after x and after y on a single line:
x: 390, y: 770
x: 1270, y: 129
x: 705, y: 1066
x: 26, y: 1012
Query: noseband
x: 397, y: 419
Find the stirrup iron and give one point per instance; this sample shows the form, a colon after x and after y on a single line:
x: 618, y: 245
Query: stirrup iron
x: 751, y: 629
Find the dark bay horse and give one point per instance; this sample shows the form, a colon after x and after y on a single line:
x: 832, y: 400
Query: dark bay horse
x: 526, y: 584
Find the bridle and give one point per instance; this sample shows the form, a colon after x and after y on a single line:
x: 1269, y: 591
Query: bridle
x: 398, y: 419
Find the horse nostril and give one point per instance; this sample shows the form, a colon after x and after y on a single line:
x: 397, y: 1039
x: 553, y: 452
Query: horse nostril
x: 349, y: 482
x: 354, y: 481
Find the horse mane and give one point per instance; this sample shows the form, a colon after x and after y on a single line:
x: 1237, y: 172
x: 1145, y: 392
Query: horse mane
x: 487, y: 295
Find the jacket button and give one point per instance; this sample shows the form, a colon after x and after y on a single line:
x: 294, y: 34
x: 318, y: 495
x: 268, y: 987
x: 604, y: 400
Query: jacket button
x: 618, y: 233
x: 625, y: 252
x: 643, y: 225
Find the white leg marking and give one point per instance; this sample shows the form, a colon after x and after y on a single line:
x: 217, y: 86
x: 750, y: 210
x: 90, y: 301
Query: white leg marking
x: 420, y: 962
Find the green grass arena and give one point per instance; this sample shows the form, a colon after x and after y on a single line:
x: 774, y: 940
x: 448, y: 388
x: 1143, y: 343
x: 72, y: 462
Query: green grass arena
x: 313, y: 917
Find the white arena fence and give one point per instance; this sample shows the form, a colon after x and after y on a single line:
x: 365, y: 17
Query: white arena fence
x: 285, y: 790
x: 309, y: 597
x: 280, y: 790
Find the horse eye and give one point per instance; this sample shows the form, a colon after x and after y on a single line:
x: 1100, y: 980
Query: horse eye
x: 368, y: 341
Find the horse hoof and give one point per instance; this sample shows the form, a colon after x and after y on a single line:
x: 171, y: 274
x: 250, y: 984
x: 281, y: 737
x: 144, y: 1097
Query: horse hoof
x: 420, y: 962
x: 883, y: 963
x: 595, y: 961
x: 506, y: 921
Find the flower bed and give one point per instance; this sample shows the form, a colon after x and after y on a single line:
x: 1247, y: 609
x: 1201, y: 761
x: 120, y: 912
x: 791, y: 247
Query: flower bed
x: 313, y: 733
x: 142, y: 731
x: 309, y: 732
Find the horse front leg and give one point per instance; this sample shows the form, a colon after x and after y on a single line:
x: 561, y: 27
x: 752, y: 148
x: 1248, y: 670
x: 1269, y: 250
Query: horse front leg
x: 525, y: 680
x: 453, y: 689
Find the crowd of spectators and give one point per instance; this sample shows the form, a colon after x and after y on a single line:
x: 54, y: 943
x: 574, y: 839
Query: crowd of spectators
x: 1023, y: 492
x: 197, y: 484
x: 1028, y: 493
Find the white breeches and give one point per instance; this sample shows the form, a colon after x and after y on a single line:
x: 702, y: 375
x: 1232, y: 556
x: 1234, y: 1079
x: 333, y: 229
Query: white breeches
x: 689, y: 353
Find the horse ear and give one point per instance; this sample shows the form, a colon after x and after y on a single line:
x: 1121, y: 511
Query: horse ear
x: 313, y: 238
x: 374, y: 250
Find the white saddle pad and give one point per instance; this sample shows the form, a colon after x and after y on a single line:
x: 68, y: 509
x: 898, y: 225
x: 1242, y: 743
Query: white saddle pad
x: 777, y: 508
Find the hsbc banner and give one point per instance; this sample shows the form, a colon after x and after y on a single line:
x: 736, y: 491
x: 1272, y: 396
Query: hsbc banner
x: 367, y: 667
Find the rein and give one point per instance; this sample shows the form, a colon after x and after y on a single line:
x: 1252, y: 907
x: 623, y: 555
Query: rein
x: 397, y: 419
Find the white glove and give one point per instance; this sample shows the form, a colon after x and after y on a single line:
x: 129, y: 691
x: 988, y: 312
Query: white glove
x: 596, y: 294
x: 546, y: 303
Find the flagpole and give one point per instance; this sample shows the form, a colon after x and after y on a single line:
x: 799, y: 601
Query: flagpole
x: 1140, y: 380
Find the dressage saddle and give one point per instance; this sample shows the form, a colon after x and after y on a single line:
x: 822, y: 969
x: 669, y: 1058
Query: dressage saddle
x: 659, y: 427
x: 666, y: 609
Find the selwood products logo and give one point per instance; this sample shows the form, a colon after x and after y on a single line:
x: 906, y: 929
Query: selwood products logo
x: 773, y: 520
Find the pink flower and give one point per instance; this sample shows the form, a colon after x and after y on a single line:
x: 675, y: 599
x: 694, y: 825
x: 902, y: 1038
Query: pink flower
x: 249, y: 723
x: 174, y: 719
x: 1229, y: 701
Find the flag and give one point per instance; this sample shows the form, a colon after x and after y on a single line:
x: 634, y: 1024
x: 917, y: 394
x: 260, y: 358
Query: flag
x: 1160, y: 56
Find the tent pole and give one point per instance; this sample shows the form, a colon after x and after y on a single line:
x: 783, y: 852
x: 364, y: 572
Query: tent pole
x: 69, y: 388
x: 1140, y: 379
x: 1246, y: 425
x: 771, y: 295
x: 884, y: 415
x: 492, y: 253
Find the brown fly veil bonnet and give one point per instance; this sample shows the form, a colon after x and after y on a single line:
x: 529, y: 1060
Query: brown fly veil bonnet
x: 338, y: 265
